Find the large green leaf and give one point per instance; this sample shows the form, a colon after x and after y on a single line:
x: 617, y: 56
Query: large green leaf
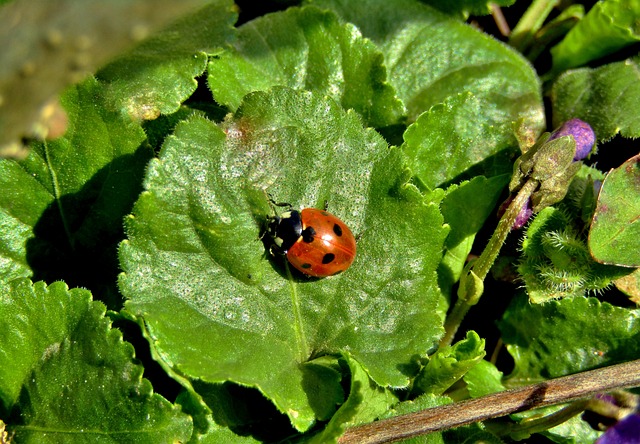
x: 431, y: 56
x: 548, y: 340
x: 606, y: 97
x: 614, y: 237
x: 218, y: 308
x: 609, y: 26
x: 62, y: 207
x: 49, y: 45
x: 309, y: 49
x: 67, y: 377
x: 448, y: 140
x: 156, y: 76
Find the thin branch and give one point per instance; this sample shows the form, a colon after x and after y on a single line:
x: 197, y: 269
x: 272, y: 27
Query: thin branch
x: 500, y: 21
x: 554, y: 391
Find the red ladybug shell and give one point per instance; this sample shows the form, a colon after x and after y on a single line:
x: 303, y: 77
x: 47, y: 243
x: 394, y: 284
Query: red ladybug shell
x: 326, y: 247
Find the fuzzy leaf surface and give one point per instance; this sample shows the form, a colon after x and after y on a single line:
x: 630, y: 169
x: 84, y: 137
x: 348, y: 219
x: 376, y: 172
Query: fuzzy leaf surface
x: 608, y: 98
x: 306, y: 48
x: 543, y: 347
x: 556, y: 262
x: 218, y: 308
x: 61, y: 208
x: 614, y: 237
x: 430, y: 57
x: 67, y: 377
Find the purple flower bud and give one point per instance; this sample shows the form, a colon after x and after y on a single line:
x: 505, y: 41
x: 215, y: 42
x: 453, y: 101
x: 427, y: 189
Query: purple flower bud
x: 582, y: 133
x: 626, y: 431
x: 522, y: 217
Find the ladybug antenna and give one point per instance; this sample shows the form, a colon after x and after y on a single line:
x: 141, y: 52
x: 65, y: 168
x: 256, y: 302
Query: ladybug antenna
x: 278, y: 204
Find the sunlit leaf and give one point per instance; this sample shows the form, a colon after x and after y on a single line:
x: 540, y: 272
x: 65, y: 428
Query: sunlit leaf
x: 307, y: 49
x: 606, y: 97
x: 156, y: 76
x: 218, y: 308
x: 614, y: 237
x: 543, y: 347
x: 431, y: 57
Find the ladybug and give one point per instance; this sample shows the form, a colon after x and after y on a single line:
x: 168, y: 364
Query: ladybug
x: 314, y: 241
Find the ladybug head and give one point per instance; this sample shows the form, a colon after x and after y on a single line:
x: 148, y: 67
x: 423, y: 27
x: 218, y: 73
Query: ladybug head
x: 285, y: 230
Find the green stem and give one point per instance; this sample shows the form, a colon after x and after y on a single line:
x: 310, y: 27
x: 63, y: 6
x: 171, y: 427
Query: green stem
x: 480, y: 268
x: 483, y: 264
x: 530, y: 22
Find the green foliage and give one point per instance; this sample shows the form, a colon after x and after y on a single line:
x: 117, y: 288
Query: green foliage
x: 606, y: 97
x: 321, y: 55
x: 444, y: 144
x: 609, y: 26
x: 543, y: 347
x: 449, y: 364
x: 159, y: 168
x: 197, y: 227
x: 367, y: 401
x: 464, y: 8
x: 66, y: 376
x: 614, y: 237
x: 556, y: 261
x: 157, y: 75
x: 465, y: 208
x: 431, y: 57
x: 483, y: 379
x: 63, y: 205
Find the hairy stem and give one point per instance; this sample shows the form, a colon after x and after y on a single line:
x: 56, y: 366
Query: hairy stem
x: 483, y: 264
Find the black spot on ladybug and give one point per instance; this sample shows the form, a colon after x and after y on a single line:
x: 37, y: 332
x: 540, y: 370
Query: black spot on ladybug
x: 308, y: 234
x: 328, y: 258
x: 306, y: 265
x: 337, y: 229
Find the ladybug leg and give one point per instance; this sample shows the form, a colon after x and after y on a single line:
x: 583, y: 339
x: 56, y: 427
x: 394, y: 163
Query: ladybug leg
x: 274, y: 250
x: 274, y: 204
x: 326, y: 205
